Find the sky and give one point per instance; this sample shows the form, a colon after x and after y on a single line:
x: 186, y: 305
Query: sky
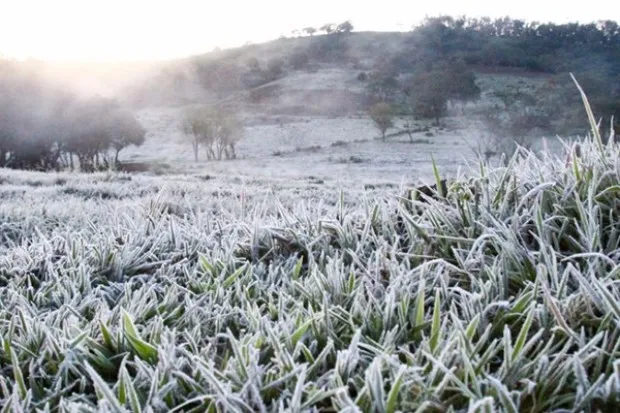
x: 105, y: 30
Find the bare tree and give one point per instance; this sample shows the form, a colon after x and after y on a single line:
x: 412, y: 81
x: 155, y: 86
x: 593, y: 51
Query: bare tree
x: 194, y: 126
x: 214, y: 129
x: 231, y: 131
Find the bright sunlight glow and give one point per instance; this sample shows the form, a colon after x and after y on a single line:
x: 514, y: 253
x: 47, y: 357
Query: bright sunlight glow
x: 161, y: 29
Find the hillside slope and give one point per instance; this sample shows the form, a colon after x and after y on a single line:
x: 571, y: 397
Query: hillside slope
x: 281, y: 71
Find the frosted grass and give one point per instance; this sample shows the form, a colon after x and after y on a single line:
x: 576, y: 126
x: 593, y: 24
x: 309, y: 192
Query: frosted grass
x: 161, y: 294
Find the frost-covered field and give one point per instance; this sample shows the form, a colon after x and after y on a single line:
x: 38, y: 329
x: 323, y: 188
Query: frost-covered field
x: 340, y: 150
x: 240, y: 292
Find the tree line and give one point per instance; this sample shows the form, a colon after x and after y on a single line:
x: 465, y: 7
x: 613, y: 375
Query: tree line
x: 513, y: 115
x: 436, y: 68
x: 544, y: 47
x: 43, y: 127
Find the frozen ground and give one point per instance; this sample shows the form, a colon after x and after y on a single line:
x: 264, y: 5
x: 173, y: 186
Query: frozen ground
x: 188, y: 293
x: 343, y: 150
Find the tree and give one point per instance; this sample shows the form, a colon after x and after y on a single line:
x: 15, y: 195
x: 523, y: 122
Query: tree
x: 91, y: 130
x: 560, y: 97
x: 230, y: 131
x: 506, y: 42
x: 328, y: 28
x: 216, y: 130
x: 275, y: 69
x: 345, y: 27
x: 310, y: 31
x: 44, y: 128
x: 298, y: 59
x: 382, y: 115
x: 197, y: 127
x: 382, y: 87
x: 31, y: 115
x: 429, y: 95
x: 460, y: 82
x: 125, y: 130
x: 9, y: 115
x: 253, y: 64
x: 431, y: 91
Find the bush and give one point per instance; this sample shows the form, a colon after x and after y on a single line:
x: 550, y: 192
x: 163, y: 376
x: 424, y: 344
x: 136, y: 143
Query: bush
x: 329, y: 48
x: 299, y: 60
x: 275, y: 69
x: 262, y: 93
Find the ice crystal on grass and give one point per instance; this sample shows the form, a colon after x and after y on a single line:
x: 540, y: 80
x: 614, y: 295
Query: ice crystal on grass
x: 501, y: 292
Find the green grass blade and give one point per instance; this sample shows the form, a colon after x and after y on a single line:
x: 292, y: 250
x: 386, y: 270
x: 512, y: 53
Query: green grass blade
x: 143, y: 349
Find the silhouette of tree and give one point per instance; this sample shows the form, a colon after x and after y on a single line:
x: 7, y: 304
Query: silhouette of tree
x: 345, y: 27
x: 310, y: 31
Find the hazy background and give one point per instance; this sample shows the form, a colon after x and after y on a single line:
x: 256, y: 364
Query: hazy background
x: 334, y: 90
x: 142, y: 30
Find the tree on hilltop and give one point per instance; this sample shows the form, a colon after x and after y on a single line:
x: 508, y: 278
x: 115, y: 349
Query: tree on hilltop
x: 328, y: 28
x: 345, y: 27
x: 310, y: 31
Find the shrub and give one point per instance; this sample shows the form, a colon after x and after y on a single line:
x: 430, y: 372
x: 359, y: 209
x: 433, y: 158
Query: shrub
x: 262, y: 93
x: 299, y: 60
x: 275, y: 69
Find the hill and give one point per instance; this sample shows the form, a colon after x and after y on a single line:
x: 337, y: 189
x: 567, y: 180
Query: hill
x: 282, y: 72
x: 304, y: 102
x: 284, y: 67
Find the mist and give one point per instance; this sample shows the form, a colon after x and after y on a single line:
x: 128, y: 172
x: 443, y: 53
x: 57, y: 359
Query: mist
x: 331, y: 71
x: 44, y: 124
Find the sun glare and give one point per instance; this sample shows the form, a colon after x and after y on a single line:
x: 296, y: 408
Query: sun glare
x: 140, y: 29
